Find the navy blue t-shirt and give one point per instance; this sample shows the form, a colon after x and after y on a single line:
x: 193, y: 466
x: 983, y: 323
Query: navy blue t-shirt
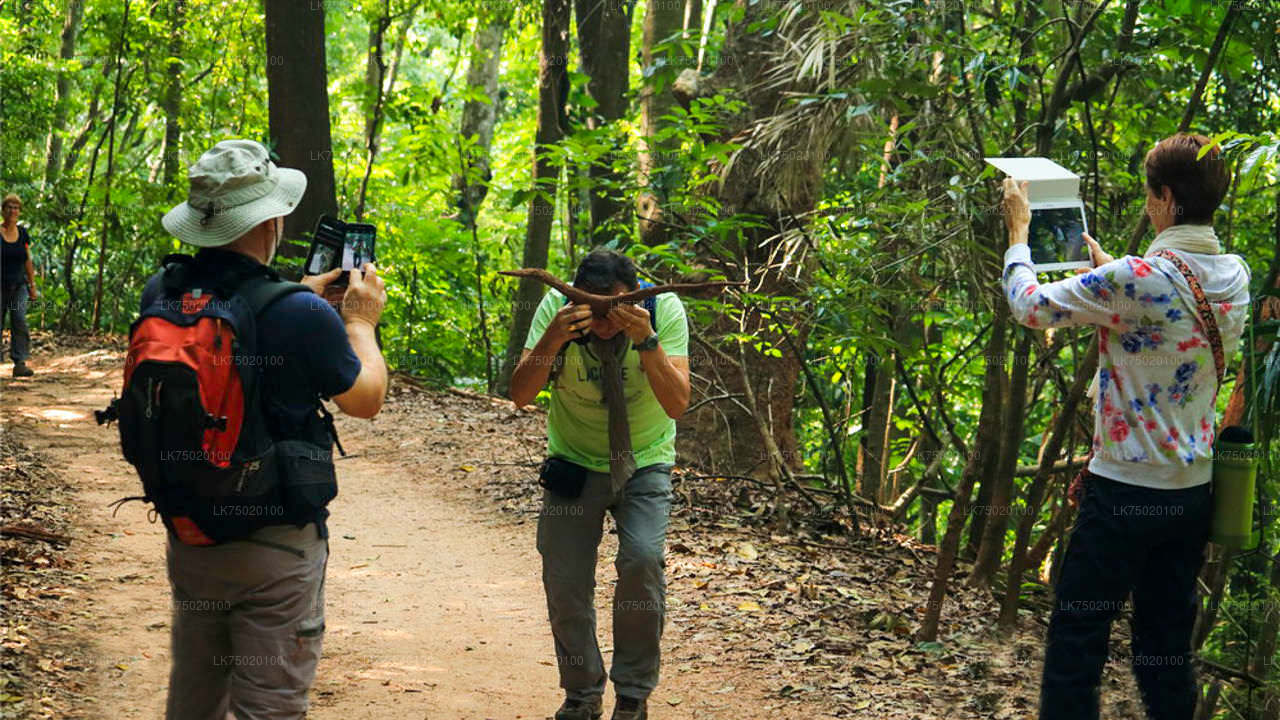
x: 310, y: 356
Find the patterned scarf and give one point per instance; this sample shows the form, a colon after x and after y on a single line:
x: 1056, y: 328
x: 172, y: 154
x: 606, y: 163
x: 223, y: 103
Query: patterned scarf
x: 622, y: 463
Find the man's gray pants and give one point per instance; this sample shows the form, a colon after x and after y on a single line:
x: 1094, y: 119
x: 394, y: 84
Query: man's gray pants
x: 568, y: 537
x: 248, y: 620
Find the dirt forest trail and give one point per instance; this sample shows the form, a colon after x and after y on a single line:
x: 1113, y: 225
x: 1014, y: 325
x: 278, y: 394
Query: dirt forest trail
x: 434, y: 603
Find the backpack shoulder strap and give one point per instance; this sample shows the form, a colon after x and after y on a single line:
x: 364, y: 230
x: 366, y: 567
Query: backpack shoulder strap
x: 177, y: 272
x: 651, y: 305
x: 1207, y: 321
x: 259, y: 291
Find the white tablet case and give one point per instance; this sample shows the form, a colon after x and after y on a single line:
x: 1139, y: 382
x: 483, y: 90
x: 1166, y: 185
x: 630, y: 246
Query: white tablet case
x: 1047, y: 181
x: 1049, y: 185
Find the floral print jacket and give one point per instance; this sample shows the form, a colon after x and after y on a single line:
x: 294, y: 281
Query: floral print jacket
x: 1156, y: 384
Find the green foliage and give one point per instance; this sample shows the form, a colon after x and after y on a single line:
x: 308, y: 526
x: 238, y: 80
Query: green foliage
x: 897, y: 261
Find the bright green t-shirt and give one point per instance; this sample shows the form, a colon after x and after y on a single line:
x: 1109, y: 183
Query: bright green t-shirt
x: 578, y: 421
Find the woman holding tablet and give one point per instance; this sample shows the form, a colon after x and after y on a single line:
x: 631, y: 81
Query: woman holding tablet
x: 1144, y: 516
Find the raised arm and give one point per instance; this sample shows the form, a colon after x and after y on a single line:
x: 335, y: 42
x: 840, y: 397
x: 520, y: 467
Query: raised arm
x: 531, y: 375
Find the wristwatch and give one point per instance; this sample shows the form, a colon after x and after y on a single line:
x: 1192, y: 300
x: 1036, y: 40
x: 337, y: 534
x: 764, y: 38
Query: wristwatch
x: 648, y: 343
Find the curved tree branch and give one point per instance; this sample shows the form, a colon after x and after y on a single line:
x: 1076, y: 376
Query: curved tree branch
x: 601, y: 304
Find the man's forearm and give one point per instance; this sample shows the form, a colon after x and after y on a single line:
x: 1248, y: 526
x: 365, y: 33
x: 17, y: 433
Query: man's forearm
x: 670, y: 386
x: 534, y: 370
x: 365, y: 344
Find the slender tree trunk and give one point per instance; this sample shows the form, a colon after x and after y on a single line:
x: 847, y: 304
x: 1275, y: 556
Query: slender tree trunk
x: 1264, y: 659
x: 86, y: 131
x: 928, y: 519
x: 1036, y: 493
x: 108, y: 216
x: 380, y: 88
x: 471, y: 182
x: 985, y: 446
x: 478, y: 119
x: 173, y: 98
x: 692, y: 17
x: 604, y: 39
x: 53, y: 155
x: 298, y: 109
x: 553, y: 89
x: 662, y: 20
x: 991, y: 551
x: 375, y: 77
x: 878, y: 423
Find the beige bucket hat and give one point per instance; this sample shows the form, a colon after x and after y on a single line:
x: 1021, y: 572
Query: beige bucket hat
x: 234, y: 186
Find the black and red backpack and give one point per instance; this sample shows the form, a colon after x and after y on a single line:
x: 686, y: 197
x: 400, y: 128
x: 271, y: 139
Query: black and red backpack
x: 192, y: 420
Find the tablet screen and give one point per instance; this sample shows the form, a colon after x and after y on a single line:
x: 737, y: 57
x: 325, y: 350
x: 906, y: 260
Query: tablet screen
x: 1056, y: 236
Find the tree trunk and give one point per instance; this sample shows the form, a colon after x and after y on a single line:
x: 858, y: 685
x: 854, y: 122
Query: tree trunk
x: 662, y: 20
x: 108, y: 215
x: 780, y: 194
x: 478, y: 120
x: 1036, y: 493
x: 375, y: 77
x: 876, y: 438
x: 553, y: 90
x: 996, y: 514
x: 173, y: 98
x: 53, y: 155
x: 1264, y: 652
x: 379, y: 88
x: 985, y: 445
x: 692, y: 17
x: 928, y: 519
x: 298, y: 110
x: 604, y: 38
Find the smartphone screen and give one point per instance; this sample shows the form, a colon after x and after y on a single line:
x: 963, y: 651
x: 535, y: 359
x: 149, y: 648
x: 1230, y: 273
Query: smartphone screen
x: 336, y: 244
x: 326, y: 246
x: 357, y: 247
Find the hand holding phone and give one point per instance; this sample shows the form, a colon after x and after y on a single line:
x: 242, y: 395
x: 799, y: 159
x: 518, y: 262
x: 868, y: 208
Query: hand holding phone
x: 365, y: 296
x: 323, y: 285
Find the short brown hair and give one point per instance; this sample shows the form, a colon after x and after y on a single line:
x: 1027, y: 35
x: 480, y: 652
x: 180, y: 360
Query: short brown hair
x: 1198, y: 183
x: 12, y: 198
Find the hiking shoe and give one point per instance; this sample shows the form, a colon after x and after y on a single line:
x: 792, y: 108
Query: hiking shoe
x: 580, y: 710
x: 21, y: 370
x: 630, y: 709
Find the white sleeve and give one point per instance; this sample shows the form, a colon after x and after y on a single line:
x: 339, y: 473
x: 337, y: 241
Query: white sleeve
x: 1093, y: 298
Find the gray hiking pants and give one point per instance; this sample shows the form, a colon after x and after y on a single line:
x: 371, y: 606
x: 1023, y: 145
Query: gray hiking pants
x: 248, y: 620
x: 568, y: 537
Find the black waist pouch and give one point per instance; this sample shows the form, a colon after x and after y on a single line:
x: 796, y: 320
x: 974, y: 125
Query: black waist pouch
x: 308, y: 480
x: 562, y: 477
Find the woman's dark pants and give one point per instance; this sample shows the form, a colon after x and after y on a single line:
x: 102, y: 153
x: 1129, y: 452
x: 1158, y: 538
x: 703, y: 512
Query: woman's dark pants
x: 13, y: 305
x: 1127, y: 540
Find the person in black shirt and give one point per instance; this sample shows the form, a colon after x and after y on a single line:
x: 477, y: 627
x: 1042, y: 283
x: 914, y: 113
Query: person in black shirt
x: 18, y: 284
x: 248, y: 615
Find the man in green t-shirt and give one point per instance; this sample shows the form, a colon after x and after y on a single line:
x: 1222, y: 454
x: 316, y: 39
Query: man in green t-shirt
x: 629, y: 476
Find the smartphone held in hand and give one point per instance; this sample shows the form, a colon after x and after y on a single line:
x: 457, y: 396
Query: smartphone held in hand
x: 337, y: 244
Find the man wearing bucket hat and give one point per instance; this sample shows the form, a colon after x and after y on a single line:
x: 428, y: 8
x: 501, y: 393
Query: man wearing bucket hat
x: 248, y: 615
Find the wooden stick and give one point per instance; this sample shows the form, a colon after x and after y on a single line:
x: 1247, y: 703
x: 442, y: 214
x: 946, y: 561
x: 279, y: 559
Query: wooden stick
x: 33, y: 533
x: 602, y: 304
